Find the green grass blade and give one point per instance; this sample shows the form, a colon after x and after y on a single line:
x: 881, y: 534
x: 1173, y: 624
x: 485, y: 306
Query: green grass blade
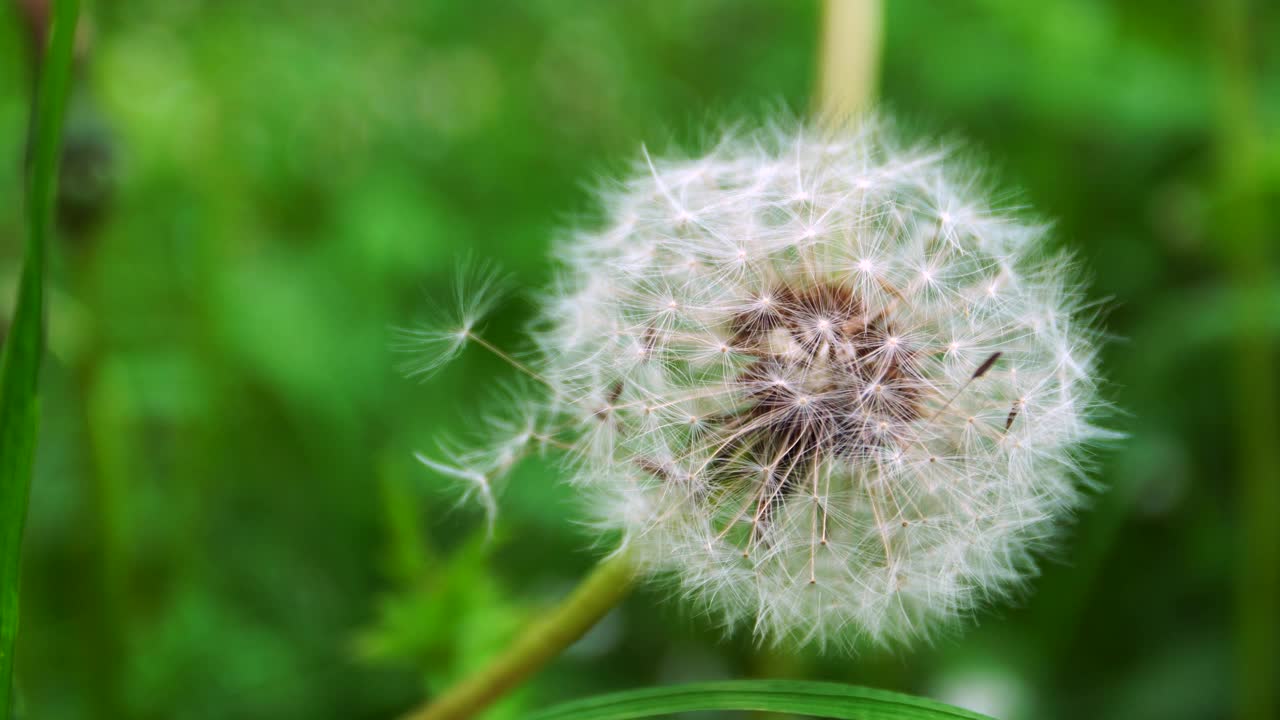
x: 20, y: 358
x: 817, y: 699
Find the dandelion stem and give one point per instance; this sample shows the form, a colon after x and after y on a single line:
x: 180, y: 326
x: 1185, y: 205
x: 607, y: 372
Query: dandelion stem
x: 541, y: 642
x: 849, y: 58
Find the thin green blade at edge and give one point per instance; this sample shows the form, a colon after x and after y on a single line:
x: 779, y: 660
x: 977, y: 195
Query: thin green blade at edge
x: 20, y: 358
x: 817, y: 699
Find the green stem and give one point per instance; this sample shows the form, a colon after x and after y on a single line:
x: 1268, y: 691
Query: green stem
x: 1243, y: 232
x: 24, y: 347
x: 541, y: 642
x: 849, y: 58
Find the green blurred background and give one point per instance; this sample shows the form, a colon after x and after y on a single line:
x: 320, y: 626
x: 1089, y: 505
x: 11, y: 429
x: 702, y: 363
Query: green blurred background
x: 227, y: 521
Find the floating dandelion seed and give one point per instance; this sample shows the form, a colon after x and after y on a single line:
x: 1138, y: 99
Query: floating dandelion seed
x: 789, y: 373
x: 477, y: 289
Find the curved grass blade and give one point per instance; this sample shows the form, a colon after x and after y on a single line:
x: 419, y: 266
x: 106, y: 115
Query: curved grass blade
x: 20, y: 358
x: 816, y: 699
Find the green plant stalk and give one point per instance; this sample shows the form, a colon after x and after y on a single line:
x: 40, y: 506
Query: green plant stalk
x: 540, y: 643
x: 20, y: 358
x: 103, y: 527
x: 848, y: 58
x: 1243, y: 232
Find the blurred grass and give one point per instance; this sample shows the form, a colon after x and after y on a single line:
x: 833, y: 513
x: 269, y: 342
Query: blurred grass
x: 23, y: 349
x: 225, y: 476
x: 1241, y: 213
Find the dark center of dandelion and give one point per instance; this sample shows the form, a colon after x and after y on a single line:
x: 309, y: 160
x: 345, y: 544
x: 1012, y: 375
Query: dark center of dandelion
x: 826, y: 380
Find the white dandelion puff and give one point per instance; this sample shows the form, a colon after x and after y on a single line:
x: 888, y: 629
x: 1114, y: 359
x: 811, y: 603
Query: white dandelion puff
x: 820, y: 381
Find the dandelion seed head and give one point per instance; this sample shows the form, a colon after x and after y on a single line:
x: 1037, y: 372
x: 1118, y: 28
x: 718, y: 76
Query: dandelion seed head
x: 792, y: 340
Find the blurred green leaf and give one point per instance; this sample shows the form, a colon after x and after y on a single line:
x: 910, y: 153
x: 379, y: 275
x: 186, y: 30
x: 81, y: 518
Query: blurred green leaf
x: 20, y: 361
x: 818, y: 699
x: 457, y: 617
